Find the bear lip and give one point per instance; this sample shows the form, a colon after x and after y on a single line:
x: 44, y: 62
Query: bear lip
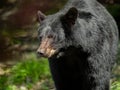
x: 47, y: 52
x: 51, y: 53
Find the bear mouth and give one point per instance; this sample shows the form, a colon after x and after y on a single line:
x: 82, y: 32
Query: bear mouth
x: 47, y: 52
x: 50, y: 52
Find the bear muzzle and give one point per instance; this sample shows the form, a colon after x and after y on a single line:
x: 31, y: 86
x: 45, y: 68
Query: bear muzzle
x: 45, y: 49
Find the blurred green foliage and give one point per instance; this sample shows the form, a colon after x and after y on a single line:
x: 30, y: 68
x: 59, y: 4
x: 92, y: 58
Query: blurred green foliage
x: 115, y: 86
x: 27, y: 73
x: 32, y: 70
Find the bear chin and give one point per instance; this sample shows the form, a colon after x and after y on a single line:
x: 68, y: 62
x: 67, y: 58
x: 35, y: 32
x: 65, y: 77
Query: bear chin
x: 57, y: 55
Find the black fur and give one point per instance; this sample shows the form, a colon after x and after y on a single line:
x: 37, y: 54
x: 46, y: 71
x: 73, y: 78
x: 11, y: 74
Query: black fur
x: 86, y: 38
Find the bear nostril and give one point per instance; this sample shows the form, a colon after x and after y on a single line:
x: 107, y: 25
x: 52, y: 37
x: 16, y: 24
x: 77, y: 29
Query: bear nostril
x: 40, y: 54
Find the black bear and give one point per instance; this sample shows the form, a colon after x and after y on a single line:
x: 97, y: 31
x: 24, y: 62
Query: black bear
x: 80, y: 42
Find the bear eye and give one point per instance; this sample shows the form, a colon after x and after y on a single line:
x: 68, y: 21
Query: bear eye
x: 50, y: 36
x: 40, y: 38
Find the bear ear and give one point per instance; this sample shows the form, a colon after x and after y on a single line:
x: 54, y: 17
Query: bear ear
x: 70, y: 17
x: 40, y: 16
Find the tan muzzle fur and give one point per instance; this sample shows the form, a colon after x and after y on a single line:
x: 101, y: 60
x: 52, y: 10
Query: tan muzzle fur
x: 45, y: 48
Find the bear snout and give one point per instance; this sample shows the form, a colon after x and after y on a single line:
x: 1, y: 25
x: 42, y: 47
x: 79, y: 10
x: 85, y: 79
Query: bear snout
x: 46, y: 49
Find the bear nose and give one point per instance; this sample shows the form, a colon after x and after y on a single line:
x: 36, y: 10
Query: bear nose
x: 40, y: 53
